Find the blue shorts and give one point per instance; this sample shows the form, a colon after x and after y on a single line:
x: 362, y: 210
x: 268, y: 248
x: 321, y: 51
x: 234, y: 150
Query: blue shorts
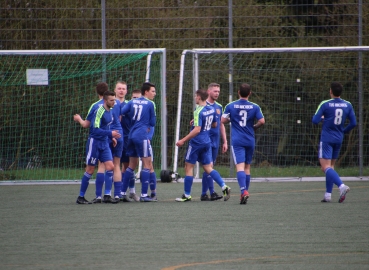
x: 125, y: 158
x: 118, y: 149
x: 329, y: 150
x: 242, y: 154
x: 214, y: 153
x: 97, y: 150
x: 200, y: 153
x: 139, y: 148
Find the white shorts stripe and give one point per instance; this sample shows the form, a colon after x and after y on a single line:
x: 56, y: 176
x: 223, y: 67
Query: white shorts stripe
x: 233, y: 155
x: 152, y: 155
x: 145, y: 150
x: 89, y: 150
x: 188, y: 152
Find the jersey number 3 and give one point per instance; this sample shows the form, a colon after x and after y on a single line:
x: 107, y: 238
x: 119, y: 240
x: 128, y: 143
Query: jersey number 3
x: 243, y: 115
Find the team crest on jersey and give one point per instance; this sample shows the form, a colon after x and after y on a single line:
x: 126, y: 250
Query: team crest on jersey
x: 218, y: 111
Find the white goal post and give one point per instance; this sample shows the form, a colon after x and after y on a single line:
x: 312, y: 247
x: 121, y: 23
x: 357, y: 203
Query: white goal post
x: 198, y: 68
x: 49, y: 86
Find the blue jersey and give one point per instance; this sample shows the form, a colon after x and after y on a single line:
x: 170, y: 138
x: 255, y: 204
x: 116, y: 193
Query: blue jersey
x: 152, y: 129
x: 100, y: 126
x: 93, y: 108
x: 335, y: 112
x: 203, y: 116
x: 116, y: 117
x: 242, y: 114
x: 125, y: 121
x: 91, y: 112
x: 141, y: 112
x: 214, y: 132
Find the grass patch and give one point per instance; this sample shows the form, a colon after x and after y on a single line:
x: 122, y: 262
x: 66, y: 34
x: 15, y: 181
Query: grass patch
x: 283, y: 226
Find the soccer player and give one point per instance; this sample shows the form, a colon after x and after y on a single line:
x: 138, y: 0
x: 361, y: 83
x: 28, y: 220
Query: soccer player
x: 141, y: 111
x: 199, y: 147
x: 219, y: 129
x: 242, y: 114
x: 116, y: 146
x: 152, y: 171
x: 126, y: 125
x: 101, y: 88
x: 333, y: 113
x: 97, y: 147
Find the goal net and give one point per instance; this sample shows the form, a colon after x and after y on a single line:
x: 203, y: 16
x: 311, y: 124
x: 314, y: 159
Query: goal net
x: 288, y: 84
x: 42, y: 90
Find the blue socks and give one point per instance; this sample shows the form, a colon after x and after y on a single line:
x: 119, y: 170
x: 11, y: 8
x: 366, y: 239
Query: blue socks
x: 204, y: 183
x: 217, y: 178
x: 153, y: 183
x: 99, y: 184
x: 117, y: 189
x: 84, y: 184
x: 126, y: 179
x: 331, y: 177
x: 210, y: 184
x: 132, y: 180
x: 145, y: 180
x: 248, y: 179
x: 108, y: 182
x: 241, y: 178
x: 188, y: 184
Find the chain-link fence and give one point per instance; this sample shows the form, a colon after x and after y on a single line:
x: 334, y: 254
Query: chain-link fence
x: 178, y: 25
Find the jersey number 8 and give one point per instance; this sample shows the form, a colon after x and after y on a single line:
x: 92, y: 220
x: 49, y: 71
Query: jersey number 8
x: 338, y: 116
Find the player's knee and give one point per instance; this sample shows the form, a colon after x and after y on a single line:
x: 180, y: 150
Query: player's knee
x: 109, y: 167
x: 90, y: 169
x: 208, y: 168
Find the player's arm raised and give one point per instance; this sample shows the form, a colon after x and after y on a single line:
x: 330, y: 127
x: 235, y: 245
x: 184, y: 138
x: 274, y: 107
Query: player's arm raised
x: 83, y: 123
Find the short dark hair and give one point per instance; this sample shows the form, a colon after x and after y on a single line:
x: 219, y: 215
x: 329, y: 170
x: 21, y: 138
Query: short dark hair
x: 146, y: 87
x: 108, y: 94
x: 245, y: 90
x: 336, y: 89
x: 202, y: 93
x: 101, y: 88
x: 213, y: 85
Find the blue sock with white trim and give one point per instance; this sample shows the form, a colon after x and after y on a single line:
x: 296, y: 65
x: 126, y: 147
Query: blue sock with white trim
x: 188, y: 185
x: 241, y: 179
x: 108, y: 182
x: 84, y: 184
x: 145, y: 180
x: 217, y: 178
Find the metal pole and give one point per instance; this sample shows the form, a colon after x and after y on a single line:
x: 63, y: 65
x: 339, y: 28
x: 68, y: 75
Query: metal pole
x: 360, y: 88
x: 230, y: 70
x: 103, y: 39
x: 179, y: 108
x: 164, y: 143
x: 195, y: 87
